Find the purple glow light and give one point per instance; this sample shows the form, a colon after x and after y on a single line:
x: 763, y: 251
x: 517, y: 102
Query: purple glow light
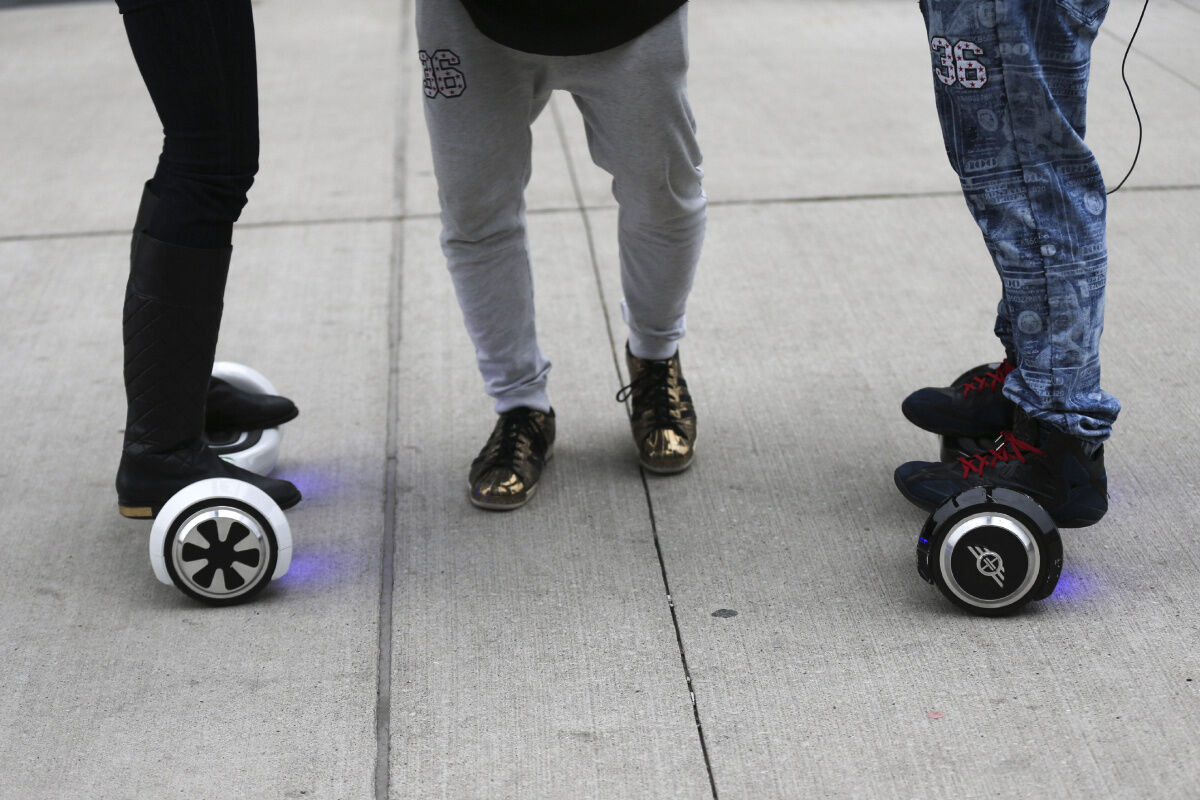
x: 310, y: 482
x: 1073, y: 588
x: 309, y: 567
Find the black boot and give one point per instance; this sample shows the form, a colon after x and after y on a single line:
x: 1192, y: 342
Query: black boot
x: 172, y: 314
x: 227, y: 408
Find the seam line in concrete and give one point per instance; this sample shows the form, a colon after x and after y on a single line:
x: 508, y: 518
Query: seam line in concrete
x: 687, y: 672
x: 582, y: 210
x: 1124, y: 40
x: 662, y: 567
x: 540, y: 212
x: 383, y: 693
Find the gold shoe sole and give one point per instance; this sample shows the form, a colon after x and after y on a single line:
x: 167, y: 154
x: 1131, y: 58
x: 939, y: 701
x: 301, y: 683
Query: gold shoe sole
x: 667, y: 469
x: 499, y: 506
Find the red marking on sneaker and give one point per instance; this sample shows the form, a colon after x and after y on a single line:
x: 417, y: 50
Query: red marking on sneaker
x: 989, y: 381
x: 1008, y: 448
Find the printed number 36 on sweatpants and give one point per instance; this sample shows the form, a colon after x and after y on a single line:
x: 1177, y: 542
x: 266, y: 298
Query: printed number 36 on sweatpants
x: 441, y: 75
x: 960, y: 61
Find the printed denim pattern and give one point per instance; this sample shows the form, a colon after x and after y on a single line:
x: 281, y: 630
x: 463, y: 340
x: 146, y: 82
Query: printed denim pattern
x: 1010, y: 78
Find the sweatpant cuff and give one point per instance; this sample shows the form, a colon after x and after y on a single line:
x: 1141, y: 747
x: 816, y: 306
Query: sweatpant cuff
x: 538, y: 400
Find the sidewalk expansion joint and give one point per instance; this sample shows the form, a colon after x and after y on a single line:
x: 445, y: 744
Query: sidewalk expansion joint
x: 387, y: 577
x: 582, y: 209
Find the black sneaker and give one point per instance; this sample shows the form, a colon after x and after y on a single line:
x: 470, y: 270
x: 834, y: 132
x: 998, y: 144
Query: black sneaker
x: 973, y: 406
x: 505, y: 473
x: 1034, y: 459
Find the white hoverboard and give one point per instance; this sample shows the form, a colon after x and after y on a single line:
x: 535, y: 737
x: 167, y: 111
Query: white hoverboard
x: 222, y: 540
x: 256, y: 451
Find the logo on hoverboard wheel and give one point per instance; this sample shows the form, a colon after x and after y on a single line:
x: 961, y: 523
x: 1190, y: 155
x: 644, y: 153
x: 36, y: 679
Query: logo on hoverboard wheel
x: 989, y: 563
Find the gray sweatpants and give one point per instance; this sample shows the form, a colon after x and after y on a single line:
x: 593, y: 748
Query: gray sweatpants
x: 480, y: 100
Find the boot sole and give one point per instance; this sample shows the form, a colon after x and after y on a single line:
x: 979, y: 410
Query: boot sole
x: 137, y: 512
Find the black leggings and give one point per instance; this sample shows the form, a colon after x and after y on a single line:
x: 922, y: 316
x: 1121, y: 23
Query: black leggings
x: 197, y: 59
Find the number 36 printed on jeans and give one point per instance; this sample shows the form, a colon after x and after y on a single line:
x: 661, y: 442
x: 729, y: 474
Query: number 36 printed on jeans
x: 961, y: 63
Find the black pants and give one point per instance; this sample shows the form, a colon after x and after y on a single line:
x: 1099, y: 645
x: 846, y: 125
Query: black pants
x: 198, y: 61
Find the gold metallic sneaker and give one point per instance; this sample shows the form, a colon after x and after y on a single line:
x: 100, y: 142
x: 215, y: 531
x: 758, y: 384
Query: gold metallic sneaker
x: 663, y: 419
x: 506, y: 471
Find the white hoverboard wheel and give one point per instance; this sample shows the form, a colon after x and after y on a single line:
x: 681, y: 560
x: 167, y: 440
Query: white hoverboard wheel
x: 256, y: 451
x: 220, y: 541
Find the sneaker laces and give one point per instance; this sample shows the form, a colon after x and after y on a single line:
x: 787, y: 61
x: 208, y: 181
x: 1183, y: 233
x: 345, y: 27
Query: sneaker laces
x: 1008, y: 448
x: 651, y: 391
x: 513, y: 444
x: 989, y: 381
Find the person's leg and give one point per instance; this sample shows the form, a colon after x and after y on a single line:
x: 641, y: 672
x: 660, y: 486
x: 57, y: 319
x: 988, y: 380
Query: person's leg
x: 1011, y: 87
x: 197, y: 59
x: 642, y: 132
x: 228, y: 408
x: 480, y: 100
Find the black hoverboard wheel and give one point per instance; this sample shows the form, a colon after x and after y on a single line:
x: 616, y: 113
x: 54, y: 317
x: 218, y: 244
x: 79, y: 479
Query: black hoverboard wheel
x: 220, y: 541
x: 990, y: 550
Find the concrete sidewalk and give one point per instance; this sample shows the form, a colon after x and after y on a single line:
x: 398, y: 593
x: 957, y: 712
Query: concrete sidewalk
x: 753, y: 628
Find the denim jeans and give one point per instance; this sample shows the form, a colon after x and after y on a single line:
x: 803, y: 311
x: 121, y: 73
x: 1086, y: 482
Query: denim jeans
x: 1010, y: 78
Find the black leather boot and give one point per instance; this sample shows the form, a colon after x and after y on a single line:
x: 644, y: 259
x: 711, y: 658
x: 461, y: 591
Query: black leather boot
x: 228, y: 408
x: 173, y: 305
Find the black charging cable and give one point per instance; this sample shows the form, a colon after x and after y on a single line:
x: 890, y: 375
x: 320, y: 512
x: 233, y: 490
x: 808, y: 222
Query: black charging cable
x: 1132, y: 102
